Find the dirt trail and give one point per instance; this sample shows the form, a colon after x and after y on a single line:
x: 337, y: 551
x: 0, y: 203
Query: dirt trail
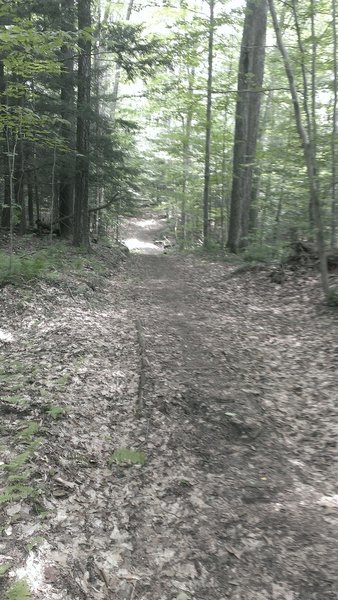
x: 238, y: 496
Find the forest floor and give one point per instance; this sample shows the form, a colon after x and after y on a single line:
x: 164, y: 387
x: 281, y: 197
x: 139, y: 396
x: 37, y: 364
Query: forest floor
x: 169, y: 433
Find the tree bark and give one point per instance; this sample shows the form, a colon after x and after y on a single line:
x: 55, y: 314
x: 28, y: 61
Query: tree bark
x: 5, y: 211
x: 334, y: 129
x: 67, y: 167
x: 308, y: 150
x: 250, y: 80
x: 187, y: 128
x: 206, y: 189
x: 81, y: 220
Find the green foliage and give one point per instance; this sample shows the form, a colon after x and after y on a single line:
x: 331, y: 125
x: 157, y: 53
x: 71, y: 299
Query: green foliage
x: 19, y: 460
x: 50, y: 263
x: 18, y: 400
x: 259, y: 253
x: 29, y: 432
x: 136, y: 54
x: 15, y: 268
x: 19, y: 591
x: 4, y: 568
x: 18, y: 477
x: 55, y: 412
x: 35, y: 543
x: 126, y: 457
x: 15, y: 492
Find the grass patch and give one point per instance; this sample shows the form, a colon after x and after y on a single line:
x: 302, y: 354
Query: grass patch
x: 17, y: 400
x: 126, y: 457
x: 19, y: 591
x: 55, y: 412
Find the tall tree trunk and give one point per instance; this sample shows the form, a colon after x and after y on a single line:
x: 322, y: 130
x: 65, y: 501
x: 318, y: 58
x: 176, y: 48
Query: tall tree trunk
x: 19, y: 187
x: 309, y: 152
x: 268, y: 112
x: 187, y: 127
x: 334, y: 185
x: 5, y: 211
x: 29, y: 183
x: 308, y: 95
x: 81, y: 228
x: 206, y: 188
x: 224, y: 209
x: 250, y: 79
x: 30, y: 195
x: 67, y: 167
x: 36, y: 191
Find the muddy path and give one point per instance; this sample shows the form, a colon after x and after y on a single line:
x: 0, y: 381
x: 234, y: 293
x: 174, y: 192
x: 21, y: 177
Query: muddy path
x: 227, y: 390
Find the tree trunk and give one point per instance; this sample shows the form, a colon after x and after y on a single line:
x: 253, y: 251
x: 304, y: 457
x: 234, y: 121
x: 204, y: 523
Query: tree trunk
x: 224, y: 191
x: 268, y: 113
x: 309, y: 153
x: 186, y: 158
x: 6, y: 210
x: 206, y: 189
x: 81, y: 220
x: 29, y: 183
x: 30, y: 195
x: 19, y: 188
x: 250, y: 79
x: 334, y: 130
x: 6, y: 207
x: 67, y: 167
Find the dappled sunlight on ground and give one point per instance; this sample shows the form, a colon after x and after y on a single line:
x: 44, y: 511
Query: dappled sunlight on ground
x: 141, y: 247
x: 147, y: 223
x: 139, y: 234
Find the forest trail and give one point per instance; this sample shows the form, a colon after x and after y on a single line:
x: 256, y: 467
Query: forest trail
x: 237, y: 498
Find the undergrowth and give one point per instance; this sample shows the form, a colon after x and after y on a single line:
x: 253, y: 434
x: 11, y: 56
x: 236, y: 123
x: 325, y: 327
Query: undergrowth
x: 49, y: 263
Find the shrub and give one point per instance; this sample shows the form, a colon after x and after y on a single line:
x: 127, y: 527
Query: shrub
x: 13, y: 268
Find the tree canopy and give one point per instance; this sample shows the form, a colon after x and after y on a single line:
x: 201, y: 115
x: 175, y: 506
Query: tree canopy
x: 197, y: 107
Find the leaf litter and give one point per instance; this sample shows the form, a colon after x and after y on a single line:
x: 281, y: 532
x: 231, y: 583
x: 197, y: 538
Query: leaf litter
x: 231, y: 485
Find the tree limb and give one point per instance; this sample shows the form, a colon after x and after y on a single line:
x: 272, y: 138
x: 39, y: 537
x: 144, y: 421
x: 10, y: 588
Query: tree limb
x: 102, y: 206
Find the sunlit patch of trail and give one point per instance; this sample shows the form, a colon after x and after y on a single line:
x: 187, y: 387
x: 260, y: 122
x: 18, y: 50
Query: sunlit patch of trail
x: 141, y: 247
x: 139, y: 235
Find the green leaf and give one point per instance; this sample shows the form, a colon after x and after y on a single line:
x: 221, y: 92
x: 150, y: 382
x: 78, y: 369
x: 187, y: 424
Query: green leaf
x: 19, y: 591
